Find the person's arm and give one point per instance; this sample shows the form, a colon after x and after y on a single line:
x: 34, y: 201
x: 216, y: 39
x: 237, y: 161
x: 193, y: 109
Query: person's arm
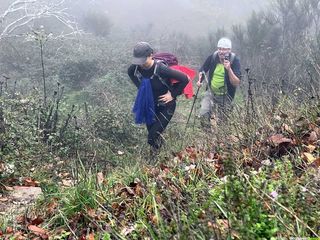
x: 133, y: 77
x: 182, y: 80
x: 203, y: 69
x: 206, y: 65
x: 233, y: 71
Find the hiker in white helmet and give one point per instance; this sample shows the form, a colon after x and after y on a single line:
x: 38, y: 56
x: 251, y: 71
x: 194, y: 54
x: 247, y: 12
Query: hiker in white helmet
x: 223, y: 70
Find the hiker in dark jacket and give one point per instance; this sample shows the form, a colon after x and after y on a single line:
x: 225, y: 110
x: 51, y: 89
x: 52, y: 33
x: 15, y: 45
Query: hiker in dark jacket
x: 223, y: 68
x: 156, y: 99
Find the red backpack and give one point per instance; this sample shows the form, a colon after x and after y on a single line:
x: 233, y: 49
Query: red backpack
x: 172, y: 61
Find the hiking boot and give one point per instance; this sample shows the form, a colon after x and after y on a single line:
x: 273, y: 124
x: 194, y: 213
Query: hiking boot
x: 205, y: 122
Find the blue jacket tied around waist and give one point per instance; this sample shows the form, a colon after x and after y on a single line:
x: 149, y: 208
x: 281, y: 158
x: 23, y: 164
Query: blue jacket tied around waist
x: 144, y: 105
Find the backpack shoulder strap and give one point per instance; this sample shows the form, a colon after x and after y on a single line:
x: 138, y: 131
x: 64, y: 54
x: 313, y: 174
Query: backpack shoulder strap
x: 214, y: 56
x: 233, y: 55
x: 155, y: 73
x: 137, y: 73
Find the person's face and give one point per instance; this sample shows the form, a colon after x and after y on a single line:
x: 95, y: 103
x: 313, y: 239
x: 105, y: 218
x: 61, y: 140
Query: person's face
x: 223, y: 51
x: 148, y: 63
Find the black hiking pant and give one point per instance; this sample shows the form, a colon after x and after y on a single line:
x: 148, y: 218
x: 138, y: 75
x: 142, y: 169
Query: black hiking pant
x: 163, y: 117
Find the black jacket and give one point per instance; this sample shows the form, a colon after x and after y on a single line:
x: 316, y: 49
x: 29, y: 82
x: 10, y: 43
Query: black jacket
x: 160, y: 87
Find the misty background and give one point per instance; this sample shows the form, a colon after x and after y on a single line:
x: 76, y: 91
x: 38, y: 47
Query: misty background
x: 192, y: 17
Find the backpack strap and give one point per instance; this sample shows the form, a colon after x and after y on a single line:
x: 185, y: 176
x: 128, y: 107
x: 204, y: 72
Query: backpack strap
x: 232, y: 57
x: 213, y: 58
x: 137, y: 74
x: 155, y: 73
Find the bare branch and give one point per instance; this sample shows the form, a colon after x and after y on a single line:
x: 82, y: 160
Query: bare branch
x: 11, y: 9
x: 23, y: 12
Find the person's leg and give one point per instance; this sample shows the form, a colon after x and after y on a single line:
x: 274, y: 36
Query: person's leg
x: 206, y: 109
x: 163, y: 117
x: 223, y: 108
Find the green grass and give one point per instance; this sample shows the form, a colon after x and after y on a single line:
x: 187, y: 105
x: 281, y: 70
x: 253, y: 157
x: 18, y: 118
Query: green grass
x: 201, y: 185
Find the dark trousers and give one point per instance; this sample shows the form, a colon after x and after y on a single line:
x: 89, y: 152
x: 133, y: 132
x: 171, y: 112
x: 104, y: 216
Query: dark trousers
x: 163, y: 117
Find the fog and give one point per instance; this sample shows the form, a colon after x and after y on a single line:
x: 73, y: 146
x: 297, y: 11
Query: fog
x: 192, y: 17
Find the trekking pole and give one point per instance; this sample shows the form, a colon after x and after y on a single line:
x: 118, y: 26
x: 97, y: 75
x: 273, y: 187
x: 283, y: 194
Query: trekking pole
x: 203, y: 76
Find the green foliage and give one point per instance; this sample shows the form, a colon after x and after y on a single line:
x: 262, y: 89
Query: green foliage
x: 248, y: 215
x: 78, y: 74
x: 114, y: 126
x: 255, y: 216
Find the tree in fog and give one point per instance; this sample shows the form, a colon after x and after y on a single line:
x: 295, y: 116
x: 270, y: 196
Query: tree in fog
x: 22, y: 15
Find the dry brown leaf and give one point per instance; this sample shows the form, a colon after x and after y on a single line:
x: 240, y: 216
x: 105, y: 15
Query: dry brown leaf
x: 91, y: 213
x: 191, y: 167
x: 192, y: 152
x: 37, y: 221
x: 49, y: 166
x: 287, y: 128
x: 2, y: 167
x: 100, y: 177
x: 67, y: 182
x: 64, y: 174
x: 115, y: 205
x: 130, y: 191
x: 4, y: 199
x: 154, y: 219
x: 90, y: 236
x: 83, y: 237
x: 9, y: 230
x: 139, y: 190
x: 37, y: 231
x: 19, y: 236
x: 127, y: 230
x: 164, y: 168
x: 310, y: 148
x: 7, y: 188
x: 52, y: 206
x: 308, y: 157
x: 246, y: 152
x: 21, y: 219
x: 158, y: 199
x: 29, y: 182
x: 316, y: 163
x: 223, y: 223
x: 210, y: 156
x: 275, y: 175
x: 234, y: 139
x: 313, y: 137
x: 180, y: 155
x: 278, y: 139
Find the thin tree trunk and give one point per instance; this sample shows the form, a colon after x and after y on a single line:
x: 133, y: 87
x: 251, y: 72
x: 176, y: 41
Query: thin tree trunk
x: 43, y: 76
